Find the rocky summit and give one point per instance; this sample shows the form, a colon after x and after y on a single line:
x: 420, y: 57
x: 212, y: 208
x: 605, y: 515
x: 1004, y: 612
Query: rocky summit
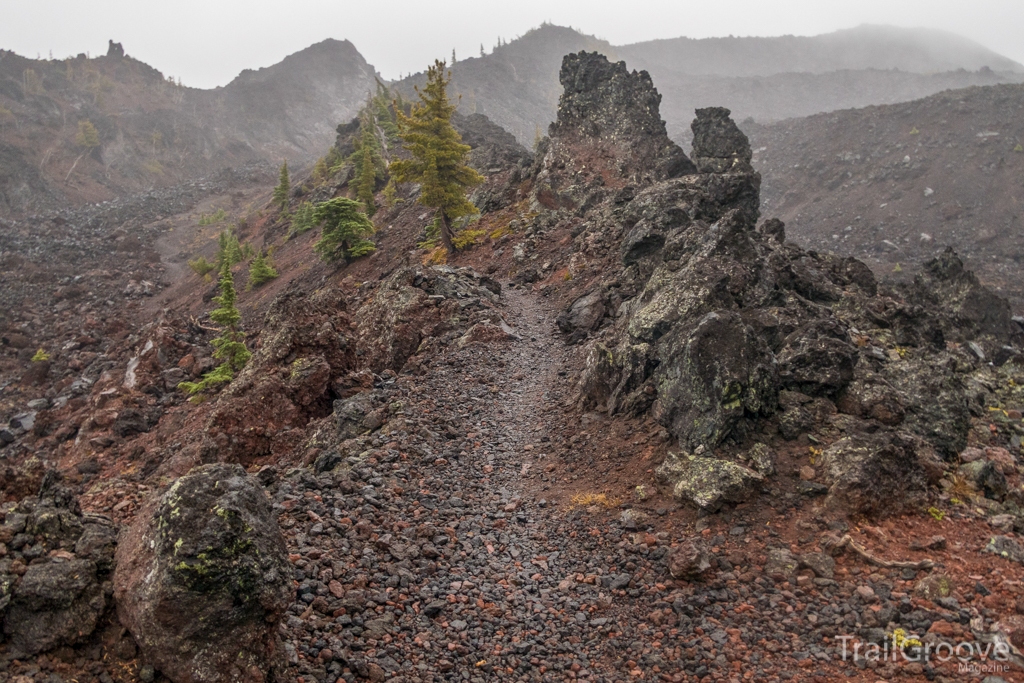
x: 627, y: 431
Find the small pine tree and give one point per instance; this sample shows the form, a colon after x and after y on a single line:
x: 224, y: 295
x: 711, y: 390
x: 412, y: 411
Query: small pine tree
x: 321, y: 170
x: 481, y: 49
x: 283, y: 188
x: 87, y: 137
x: 304, y: 218
x: 229, y: 347
x: 229, y: 251
x: 438, y: 160
x: 345, y: 230
x: 261, y: 271
x: 367, y: 172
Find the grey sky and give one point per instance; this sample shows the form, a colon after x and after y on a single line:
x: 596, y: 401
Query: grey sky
x: 207, y: 42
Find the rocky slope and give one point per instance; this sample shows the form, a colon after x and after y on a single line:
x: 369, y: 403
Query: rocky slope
x: 147, y: 131
x: 768, y: 79
x: 630, y: 433
x: 899, y: 183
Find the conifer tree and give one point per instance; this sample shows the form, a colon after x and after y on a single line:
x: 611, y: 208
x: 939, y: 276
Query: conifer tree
x: 438, y: 160
x: 261, y: 271
x: 345, y: 230
x: 283, y: 188
x: 229, y: 346
x: 367, y: 175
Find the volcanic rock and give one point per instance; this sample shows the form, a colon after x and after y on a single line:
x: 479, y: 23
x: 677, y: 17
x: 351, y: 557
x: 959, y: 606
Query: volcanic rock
x: 202, y: 579
x: 60, y: 598
x: 690, y: 559
x: 873, y: 473
x: 718, y: 144
x: 708, y: 482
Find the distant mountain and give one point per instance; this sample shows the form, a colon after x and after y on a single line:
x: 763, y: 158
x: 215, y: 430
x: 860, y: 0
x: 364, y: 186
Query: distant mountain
x: 922, y: 51
x: 768, y: 79
x: 149, y: 131
x: 516, y: 86
x: 895, y: 184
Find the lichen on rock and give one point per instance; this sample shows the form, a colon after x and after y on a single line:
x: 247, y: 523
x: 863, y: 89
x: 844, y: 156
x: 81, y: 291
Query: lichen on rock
x: 202, y: 578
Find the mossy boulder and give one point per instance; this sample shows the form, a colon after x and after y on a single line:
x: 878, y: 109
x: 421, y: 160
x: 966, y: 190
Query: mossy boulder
x: 202, y: 579
x: 708, y: 483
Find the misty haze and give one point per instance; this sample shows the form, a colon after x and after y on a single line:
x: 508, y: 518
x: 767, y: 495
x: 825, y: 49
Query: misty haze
x: 620, y: 358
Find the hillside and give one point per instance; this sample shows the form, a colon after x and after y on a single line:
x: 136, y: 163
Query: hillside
x: 895, y: 184
x: 866, y: 47
x: 767, y: 79
x: 147, y: 131
x: 628, y: 432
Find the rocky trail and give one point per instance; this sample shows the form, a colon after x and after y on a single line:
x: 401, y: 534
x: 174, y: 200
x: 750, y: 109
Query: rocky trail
x: 630, y: 434
x: 440, y: 555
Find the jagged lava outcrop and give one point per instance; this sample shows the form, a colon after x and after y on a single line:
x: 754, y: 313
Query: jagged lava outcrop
x: 738, y: 341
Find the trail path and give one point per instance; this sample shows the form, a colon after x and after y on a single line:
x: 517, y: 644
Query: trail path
x: 436, y: 558
x: 468, y: 577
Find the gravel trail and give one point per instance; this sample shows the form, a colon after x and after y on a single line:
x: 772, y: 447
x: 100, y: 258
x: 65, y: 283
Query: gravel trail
x: 433, y: 556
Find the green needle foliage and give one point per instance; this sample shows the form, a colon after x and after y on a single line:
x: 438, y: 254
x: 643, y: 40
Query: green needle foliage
x: 229, y: 251
x: 229, y: 347
x: 283, y: 188
x: 201, y: 267
x: 261, y: 271
x: 438, y: 160
x: 303, y: 219
x: 345, y: 230
x: 366, y: 182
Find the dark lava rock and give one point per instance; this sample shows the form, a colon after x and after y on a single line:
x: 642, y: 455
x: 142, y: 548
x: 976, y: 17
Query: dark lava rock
x: 986, y: 477
x: 719, y: 146
x: 60, y: 599
x: 56, y: 603
x: 1007, y: 547
x: 583, y: 315
x: 608, y: 123
x: 711, y: 375
x: 203, y: 579
x: 873, y: 474
x: 817, y: 359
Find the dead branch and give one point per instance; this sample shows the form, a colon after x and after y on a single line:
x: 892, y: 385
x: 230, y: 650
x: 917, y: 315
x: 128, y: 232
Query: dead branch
x: 847, y: 541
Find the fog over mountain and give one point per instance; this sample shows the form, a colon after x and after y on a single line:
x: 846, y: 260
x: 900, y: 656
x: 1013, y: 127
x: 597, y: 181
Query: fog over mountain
x: 768, y: 79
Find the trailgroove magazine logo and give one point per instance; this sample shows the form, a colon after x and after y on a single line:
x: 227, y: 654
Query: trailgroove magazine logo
x: 971, y: 656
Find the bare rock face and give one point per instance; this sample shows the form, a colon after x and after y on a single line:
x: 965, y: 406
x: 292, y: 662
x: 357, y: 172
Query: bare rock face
x: 60, y: 600
x: 417, y: 306
x: 703, y: 321
x: 202, y: 580
x: 719, y: 146
x: 306, y: 345
x: 608, y: 132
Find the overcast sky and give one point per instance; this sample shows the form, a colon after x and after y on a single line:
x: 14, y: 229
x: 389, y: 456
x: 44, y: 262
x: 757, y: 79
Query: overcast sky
x: 207, y: 42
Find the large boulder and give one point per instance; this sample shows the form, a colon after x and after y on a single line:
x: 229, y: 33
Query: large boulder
x: 874, y: 474
x: 202, y: 579
x: 712, y: 374
x: 61, y: 597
